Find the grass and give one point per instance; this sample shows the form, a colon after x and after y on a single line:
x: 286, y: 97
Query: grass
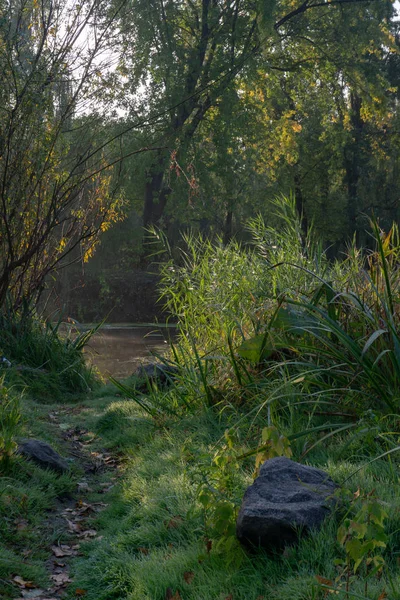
x: 48, y: 363
x: 275, y: 337
x: 153, y: 535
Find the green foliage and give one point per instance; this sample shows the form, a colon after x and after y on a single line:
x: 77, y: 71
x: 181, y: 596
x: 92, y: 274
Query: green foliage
x: 217, y: 498
x: 55, y: 196
x: 352, y: 333
x: 10, y: 424
x: 363, y: 538
x: 49, y: 363
x: 273, y: 444
x: 363, y: 535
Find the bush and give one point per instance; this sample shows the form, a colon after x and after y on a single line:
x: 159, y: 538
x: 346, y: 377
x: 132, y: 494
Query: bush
x: 10, y: 418
x: 280, y: 325
x: 48, y: 363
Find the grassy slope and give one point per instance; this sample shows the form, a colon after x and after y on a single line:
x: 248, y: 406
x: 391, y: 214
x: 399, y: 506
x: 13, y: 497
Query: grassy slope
x: 153, y: 542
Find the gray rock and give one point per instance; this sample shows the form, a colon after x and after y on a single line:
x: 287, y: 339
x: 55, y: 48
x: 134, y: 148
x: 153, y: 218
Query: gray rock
x: 43, y: 454
x: 285, y: 502
x: 159, y: 373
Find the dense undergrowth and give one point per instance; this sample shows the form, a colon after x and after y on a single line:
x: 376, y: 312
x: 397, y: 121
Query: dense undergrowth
x: 280, y: 352
x: 38, y: 356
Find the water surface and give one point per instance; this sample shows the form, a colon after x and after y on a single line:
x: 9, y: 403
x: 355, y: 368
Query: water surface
x: 118, y: 349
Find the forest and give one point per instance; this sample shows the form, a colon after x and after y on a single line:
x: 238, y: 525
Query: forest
x: 229, y: 168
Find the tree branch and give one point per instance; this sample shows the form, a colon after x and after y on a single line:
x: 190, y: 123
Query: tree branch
x: 306, y: 6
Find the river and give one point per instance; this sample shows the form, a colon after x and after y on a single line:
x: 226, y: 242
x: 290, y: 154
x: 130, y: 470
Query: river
x: 118, y: 349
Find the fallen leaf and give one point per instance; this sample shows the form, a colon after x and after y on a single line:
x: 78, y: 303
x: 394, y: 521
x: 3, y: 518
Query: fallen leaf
x: 60, y: 579
x: 63, y: 550
x: 169, y: 595
x: 59, y: 564
x: 383, y: 595
x: 324, y: 581
x: 209, y: 546
x: 230, y: 597
x: 143, y: 550
x: 73, y: 527
x: 84, y: 487
x: 188, y: 576
x: 80, y: 592
x: 22, y: 583
x: 174, y: 522
x: 21, y: 524
x: 88, y: 533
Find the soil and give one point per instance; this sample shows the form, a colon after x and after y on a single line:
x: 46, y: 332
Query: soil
x: 70, y: 521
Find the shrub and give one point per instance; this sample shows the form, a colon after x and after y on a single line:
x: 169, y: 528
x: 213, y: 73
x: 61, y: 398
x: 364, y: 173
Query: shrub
x: 10, y: 418
x: 48, y: 363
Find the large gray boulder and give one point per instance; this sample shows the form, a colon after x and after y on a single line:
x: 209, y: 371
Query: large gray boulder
x: 43, y: 455
x: 286, y: 501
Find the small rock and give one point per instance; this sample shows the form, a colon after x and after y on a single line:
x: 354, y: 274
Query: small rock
x: 158, y: 373
x: 43, y: 454
x: 285, y: 502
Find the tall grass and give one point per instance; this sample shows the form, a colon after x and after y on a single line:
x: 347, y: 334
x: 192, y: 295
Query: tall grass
x: 10, y: 422
x: 277, y: 327
x: 48, y: 363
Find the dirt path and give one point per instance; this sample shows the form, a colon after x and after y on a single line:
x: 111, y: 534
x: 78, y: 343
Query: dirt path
x: 73, y: 515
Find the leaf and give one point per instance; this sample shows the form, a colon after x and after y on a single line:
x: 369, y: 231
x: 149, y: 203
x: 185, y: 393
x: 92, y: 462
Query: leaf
x: 174, y: 522
x: 143, y: 550
x: 255, y: 349
x: 22, y: 583
x: 73, y: 527
x: 21, y: 524
x: 88, y: 533
x: 324, y: 581
x: 80, y: 592
x: 60, y: 579
x: 188, y: 576
x: 293, y: 320
x: 170, y: 596
x: 372, y: 339
x: 63, y: 550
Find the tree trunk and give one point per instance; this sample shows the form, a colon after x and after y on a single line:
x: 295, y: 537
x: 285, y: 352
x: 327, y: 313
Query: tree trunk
x: 353, y: 163
x: 156, y: 192
x: 228, y: 227
x: 299, y: 200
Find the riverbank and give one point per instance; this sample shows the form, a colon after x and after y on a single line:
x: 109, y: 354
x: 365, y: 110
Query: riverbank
x: 159, y: 466
x: 128, y: 522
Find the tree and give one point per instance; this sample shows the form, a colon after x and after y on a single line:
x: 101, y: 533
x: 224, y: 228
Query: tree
x: 182, y: 59
x: 186, y: 54
x: 56, y: 192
